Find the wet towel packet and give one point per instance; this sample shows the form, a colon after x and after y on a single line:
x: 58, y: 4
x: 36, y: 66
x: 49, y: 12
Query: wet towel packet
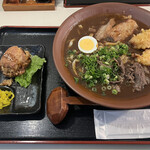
x: 122, y: 124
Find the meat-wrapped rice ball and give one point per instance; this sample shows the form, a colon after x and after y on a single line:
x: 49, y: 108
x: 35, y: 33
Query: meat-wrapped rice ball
x: 14, y: 61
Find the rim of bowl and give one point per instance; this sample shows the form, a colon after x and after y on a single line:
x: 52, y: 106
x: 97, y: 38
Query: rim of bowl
x: 58, y: 54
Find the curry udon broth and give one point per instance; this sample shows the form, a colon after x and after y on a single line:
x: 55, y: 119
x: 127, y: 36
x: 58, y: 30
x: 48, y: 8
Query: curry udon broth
x: 116, y: 82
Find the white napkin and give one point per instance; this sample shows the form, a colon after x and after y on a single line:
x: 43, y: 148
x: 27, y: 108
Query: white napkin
x: 122, y: 124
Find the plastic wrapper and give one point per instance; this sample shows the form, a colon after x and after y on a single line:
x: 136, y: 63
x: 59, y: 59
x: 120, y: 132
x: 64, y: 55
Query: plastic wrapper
x: 122, y: 124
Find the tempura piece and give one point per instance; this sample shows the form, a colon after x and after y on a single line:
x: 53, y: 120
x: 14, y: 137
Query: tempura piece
x: 123, y: 30
x: 144, y: 58
x: 141, y: 40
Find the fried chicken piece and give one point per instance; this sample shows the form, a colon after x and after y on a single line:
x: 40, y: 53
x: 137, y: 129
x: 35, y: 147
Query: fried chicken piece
x: 14, y: 61
x: 104, y: 30
x: 123, y: 30
x: 141, y: 40
x: 7, y: 82
x: 144, y: 58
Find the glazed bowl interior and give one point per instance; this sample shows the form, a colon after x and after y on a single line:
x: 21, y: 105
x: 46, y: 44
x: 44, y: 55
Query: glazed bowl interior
x: 59, y: 44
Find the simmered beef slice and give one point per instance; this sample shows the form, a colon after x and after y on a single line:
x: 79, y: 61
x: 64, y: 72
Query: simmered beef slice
x: 137, y: 74
x: 141, y: 79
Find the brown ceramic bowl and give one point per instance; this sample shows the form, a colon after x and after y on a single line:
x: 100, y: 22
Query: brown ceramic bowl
x: 58, y: 52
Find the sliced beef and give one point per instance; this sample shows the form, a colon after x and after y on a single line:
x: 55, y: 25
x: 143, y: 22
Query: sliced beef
x: 134, y: 73
x: 140, y: 77
x: 137, y: 74
x: 104, y: 30
x: 129, y: 73
x: 121, y: 64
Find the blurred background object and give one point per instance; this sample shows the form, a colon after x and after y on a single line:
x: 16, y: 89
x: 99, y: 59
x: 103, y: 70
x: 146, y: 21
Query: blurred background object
x: 77, y: 3
x: 13, y: 1
x: 28, y: 5
x: 30, y: 1
x: 43, y: 1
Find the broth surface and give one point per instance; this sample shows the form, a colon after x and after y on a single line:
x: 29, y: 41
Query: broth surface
x: 82, y: 29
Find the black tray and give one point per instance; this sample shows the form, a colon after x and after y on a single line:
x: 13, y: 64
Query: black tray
x: 78, y: 124
x: 74, y: 3
x: 77, y: 127
x: 27, y: 100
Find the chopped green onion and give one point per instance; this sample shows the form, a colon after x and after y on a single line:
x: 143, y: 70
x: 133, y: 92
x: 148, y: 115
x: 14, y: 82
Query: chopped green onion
x: 106, y: 63
x: 103, y: 93
x: 109, y: 87
x: 80, y: 55
x: 116, y: 68
x: 115, y: 78
x: 76, y: 79
x: 106, y: 81
x: 88, y: 77
x: 66, y: 64
x: 74, y: 51
x: 100, y: 66
x: 94, y: 89
x: 101, y: 57
x: 107, y: 76
x: 114, y: 92
x: 71, y: 57
x: 96, y: 55
x: 103, y: 88
x: 95, y: 81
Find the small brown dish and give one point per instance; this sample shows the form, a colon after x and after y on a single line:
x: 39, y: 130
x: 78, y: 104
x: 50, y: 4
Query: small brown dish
x: 59, y: 52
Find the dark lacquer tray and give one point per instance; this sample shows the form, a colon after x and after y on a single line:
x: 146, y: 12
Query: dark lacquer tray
x: 77, y: 127
x: 77, y: 3
x: 27, y: 100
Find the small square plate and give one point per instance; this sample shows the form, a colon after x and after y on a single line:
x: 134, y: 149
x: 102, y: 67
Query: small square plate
x: 27, y: 100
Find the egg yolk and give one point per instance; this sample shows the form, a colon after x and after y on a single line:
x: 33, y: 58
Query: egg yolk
x: 86, y: 44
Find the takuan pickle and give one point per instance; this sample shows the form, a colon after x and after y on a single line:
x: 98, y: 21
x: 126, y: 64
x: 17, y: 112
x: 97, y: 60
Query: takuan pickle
x: 5, y: 98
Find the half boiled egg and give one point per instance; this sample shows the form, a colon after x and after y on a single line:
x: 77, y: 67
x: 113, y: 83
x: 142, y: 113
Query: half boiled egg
x: 87, y: 44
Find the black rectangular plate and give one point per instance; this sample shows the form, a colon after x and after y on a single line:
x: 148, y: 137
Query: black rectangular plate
x: 78, y: 124
x: 90, y: 2
x: 27, y: 100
